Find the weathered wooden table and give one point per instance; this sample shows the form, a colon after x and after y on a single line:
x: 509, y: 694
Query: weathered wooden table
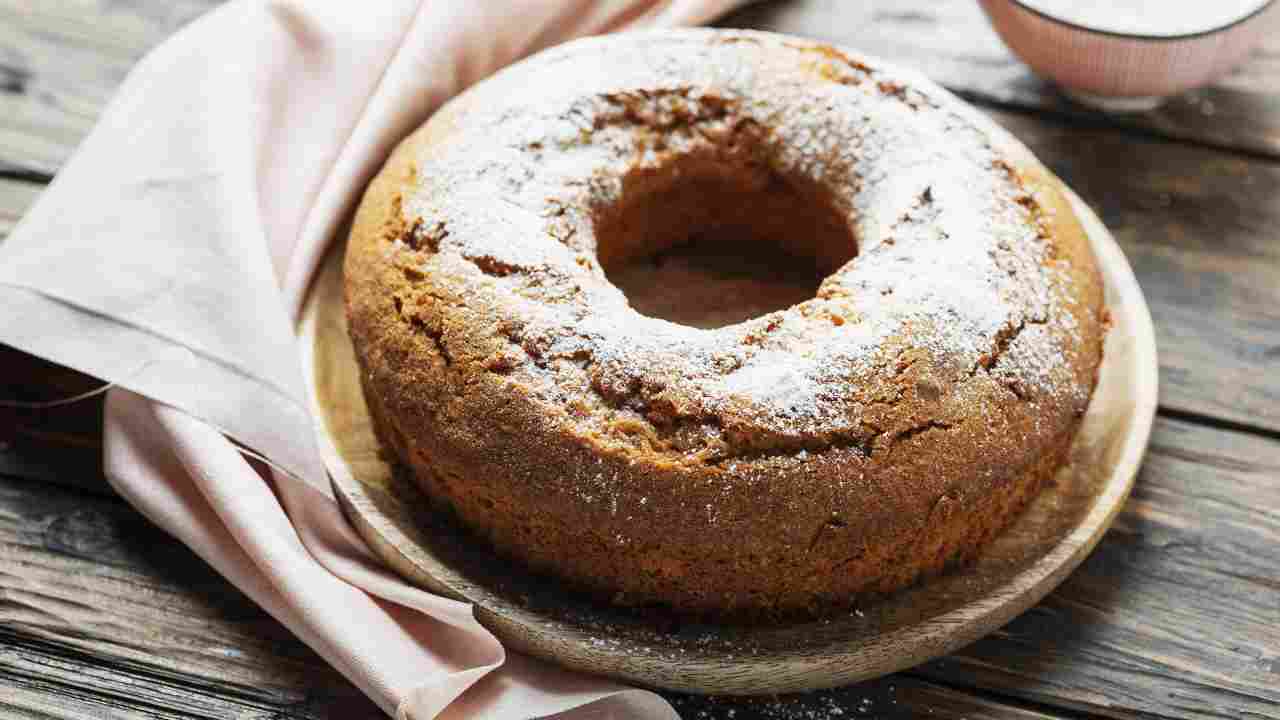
x: 1177, y: 614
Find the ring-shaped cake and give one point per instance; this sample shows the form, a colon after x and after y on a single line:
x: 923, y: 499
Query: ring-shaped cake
x: 890, y: 425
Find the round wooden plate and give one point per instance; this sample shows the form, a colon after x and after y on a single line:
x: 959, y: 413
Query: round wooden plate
x: 534, y: 615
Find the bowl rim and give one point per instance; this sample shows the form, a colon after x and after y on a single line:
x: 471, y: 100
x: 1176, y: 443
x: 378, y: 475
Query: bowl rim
x: 1261, y: 8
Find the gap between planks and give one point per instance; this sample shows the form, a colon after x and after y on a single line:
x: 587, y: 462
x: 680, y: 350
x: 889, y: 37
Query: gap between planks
x: 1212, y: 305
x: 1172, y: 615
x: 1095, y: 121
x: 954, y: 43
x: 99, y: 608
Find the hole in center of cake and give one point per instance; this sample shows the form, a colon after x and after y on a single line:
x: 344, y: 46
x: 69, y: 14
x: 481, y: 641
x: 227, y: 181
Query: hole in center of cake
x: 712, y: 239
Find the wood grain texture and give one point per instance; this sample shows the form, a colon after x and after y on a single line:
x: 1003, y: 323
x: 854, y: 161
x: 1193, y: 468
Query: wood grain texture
x: 99, y: 609
x: 15, y: 197
x: 1201, y: 228
x: 1176, y: 614
x: 104, y: 616
x: 60, y: 60
x: 952, y: 42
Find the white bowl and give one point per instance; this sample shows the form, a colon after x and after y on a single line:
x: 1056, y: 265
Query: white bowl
x: 1127, y: 62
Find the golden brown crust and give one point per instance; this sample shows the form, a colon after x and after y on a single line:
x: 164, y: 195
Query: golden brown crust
x: 888, y: 426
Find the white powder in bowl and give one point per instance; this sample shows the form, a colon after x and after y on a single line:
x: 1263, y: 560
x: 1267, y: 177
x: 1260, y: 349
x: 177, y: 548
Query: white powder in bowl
x: 1157, y: 18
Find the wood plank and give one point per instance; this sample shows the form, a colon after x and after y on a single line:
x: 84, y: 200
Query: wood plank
x: 1200, y: 226
x: 952, y: 42
x: 1201, y: 229
x: 15, y: 197
x: 101, y: 614
x: 898, y: 696
x: 1176, y: 614
x: 60, y: 60
x: 1090, y: 651
x: 98, y: 608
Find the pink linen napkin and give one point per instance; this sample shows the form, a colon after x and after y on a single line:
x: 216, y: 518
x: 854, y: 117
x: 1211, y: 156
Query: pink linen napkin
x: 171, y: 257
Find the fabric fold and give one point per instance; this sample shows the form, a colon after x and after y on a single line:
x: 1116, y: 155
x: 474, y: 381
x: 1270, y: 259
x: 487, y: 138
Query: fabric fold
x: 171, y: 257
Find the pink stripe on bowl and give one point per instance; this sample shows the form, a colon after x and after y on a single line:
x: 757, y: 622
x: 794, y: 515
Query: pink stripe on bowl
x: 1100, y: 65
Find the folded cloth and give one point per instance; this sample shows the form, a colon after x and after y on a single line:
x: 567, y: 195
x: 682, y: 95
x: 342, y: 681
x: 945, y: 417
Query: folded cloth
x: 171, y: 257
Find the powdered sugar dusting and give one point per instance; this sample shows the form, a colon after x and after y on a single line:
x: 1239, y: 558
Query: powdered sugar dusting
x: 952, y: 277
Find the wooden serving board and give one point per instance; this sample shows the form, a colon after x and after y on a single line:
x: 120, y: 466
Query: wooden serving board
x: 534, y: 615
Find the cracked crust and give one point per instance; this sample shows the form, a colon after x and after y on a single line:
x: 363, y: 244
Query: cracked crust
x: 888, y: 426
